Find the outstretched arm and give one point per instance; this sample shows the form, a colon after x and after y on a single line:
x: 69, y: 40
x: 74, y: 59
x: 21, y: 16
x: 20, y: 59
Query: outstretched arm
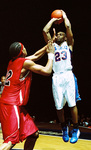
x: 43, y: 70
x: 37, y: 55
x: 69, y: 33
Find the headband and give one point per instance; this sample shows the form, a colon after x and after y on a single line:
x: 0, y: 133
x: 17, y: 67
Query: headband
x: 20, y: 50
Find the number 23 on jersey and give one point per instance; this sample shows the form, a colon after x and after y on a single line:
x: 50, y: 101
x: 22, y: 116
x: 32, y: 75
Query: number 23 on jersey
x: 59, y: 56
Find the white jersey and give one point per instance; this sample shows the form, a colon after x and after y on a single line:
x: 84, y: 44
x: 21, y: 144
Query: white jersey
x: 62, y: 59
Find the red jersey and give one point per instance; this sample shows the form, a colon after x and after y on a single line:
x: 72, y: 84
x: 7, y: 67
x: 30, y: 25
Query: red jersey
x: 16, y: 90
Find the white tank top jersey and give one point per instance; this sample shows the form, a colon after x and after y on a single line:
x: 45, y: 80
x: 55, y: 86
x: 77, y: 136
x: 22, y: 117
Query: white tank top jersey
x: 62, y: 59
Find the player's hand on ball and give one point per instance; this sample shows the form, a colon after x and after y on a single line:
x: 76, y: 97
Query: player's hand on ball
x: 64, y: 14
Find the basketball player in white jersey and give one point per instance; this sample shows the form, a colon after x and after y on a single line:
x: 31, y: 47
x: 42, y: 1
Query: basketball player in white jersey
x: 63, y: 84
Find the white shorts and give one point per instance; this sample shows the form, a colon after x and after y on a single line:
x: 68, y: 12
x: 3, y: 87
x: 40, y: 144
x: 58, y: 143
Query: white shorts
x: 63, y: 87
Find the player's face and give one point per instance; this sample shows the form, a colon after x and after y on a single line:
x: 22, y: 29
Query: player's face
x: 24, y: 51
x: 60, y: 37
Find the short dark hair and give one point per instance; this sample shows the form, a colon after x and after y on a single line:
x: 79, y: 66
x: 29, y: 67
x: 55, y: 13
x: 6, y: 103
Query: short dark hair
x: 14, y: 49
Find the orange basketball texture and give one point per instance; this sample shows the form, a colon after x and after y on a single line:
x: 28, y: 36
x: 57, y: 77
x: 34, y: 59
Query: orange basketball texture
x: 57, y: 14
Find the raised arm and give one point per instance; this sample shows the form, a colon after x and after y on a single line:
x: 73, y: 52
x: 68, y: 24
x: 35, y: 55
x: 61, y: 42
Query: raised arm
x: 69, y: 33
x: 46, y: 30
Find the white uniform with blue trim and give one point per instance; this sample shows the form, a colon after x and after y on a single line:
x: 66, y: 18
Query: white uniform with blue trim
x: 63, y: 81
x: 62, y: 61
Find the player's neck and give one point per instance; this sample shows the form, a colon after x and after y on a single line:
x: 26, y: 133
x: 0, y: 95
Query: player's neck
x: 60, y: 43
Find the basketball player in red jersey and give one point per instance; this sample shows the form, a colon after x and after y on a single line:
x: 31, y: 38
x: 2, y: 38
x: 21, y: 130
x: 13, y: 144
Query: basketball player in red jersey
x: 17, y: 125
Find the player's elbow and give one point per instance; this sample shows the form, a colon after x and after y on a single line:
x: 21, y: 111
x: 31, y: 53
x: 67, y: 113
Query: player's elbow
x: 46, y: 72
x: 44, y: 30
x: 45, y: 36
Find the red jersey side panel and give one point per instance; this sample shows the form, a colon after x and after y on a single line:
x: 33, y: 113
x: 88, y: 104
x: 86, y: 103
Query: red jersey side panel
x: 16, y: 91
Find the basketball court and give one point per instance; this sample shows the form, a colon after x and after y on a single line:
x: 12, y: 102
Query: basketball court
x: 52, y: 140
x: 46, y: 142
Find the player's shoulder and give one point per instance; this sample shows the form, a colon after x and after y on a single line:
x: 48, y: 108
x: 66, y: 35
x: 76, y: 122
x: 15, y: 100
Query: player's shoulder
x: 28, y: 62
x: 65, y: 43
x: 56, y: 46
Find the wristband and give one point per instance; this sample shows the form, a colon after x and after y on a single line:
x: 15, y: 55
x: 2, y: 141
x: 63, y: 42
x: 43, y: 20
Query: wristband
x: 50, y: 56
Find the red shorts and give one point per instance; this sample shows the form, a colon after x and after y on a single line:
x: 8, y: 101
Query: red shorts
x: 16, y: 123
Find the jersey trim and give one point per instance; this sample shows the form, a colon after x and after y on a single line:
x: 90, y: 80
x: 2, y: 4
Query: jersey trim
x: 25, y: 76
x: 15, y: 107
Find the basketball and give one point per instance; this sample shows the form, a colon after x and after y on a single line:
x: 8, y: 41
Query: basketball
x: 57, y: 14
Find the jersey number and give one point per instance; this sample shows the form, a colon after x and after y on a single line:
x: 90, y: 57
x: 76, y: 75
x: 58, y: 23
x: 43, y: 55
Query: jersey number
x: 58, y: 58
x: 8, y: 76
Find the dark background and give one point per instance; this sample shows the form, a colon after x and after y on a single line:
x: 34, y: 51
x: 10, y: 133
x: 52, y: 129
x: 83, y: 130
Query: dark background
x: 23, y: 21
